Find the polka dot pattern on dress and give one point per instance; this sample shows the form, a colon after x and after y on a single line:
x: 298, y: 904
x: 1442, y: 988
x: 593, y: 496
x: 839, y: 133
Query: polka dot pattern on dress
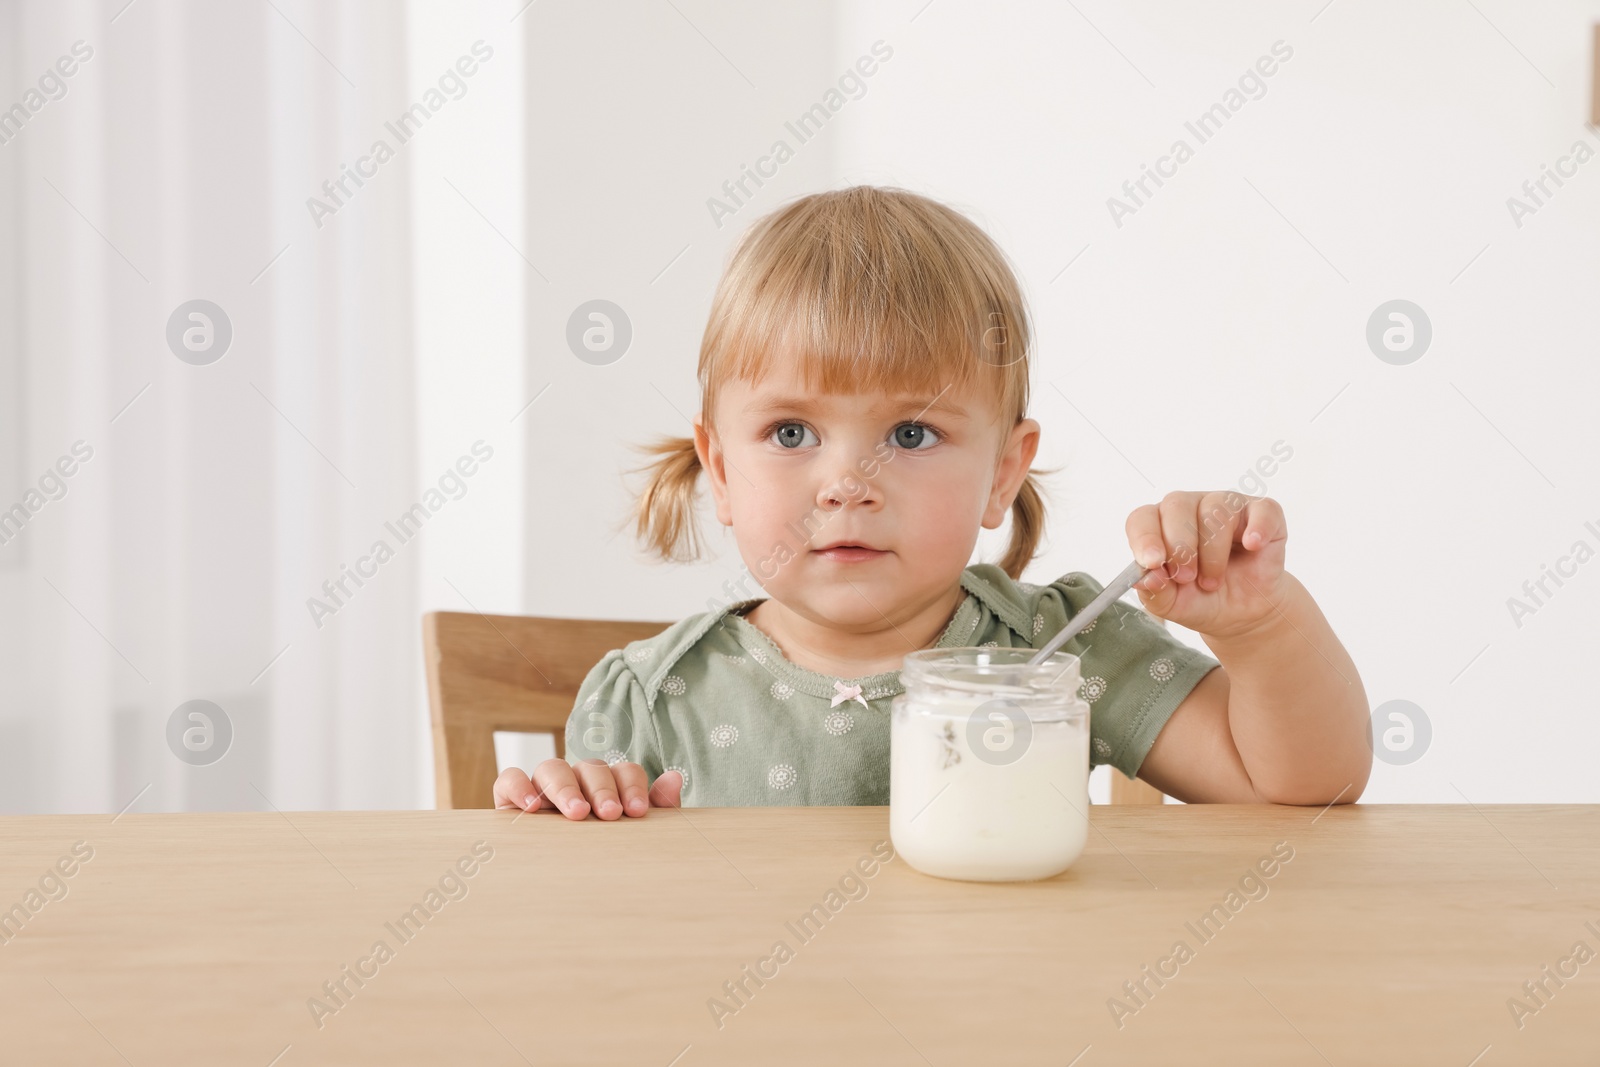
x: 781, y: 776
x: 638, y: 655
x: 1102, y: 748
x: 674, y: 686
x: 1162, y: 669
x: 782, y: 690
x: 1093, y: 688
x: 724, y: 735
x: 614, y: 756
x: 838, y: 722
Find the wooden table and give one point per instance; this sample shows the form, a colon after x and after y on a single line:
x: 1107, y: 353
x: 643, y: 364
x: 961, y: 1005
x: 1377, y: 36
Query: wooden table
x: 1394, y: 934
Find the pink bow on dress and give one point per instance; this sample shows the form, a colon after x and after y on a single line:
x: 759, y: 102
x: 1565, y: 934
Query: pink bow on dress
x: 844, y: 692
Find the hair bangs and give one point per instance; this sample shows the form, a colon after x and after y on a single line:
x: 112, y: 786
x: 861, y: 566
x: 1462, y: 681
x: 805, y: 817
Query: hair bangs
x: 866, y: 290
x: 842, y: 342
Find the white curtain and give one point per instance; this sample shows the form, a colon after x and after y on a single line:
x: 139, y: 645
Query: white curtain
x: 176, y: 165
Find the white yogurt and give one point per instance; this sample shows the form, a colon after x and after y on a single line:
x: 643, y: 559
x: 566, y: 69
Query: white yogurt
x: 986, y: 788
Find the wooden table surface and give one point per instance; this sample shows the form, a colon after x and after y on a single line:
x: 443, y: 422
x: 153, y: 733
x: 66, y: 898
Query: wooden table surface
x: 1385, y: 934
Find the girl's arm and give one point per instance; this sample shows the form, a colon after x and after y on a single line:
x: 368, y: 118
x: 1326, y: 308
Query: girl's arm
x: 1284, y: 720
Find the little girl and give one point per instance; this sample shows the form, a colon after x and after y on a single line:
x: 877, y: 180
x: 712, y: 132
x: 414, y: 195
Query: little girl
x: 864, y: 380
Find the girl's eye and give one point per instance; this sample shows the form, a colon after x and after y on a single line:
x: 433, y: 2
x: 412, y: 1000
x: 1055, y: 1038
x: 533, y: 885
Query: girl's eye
x: 914, y: 436
x: 793, y: 435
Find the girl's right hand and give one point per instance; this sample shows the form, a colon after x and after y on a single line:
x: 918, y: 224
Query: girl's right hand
x: 574, y: 788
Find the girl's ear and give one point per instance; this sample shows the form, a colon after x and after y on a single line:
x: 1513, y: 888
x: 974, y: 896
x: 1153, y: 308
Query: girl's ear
x: 711, y: 461
x: 1016, y: 456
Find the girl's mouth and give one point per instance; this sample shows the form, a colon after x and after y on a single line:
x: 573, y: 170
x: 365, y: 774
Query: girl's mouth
x: 848, y: 553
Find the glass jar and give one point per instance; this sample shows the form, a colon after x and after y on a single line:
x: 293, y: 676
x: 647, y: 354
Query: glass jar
x: 989, y: 764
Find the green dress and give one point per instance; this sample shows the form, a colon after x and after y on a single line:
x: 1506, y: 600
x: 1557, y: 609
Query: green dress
x: 712, y: 697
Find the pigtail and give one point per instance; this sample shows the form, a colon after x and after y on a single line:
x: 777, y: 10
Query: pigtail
x: 664, y: 514
x: 1027, y: 526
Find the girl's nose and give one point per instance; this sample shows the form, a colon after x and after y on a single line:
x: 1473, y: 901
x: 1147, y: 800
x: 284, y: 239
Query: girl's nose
x: 848, y: 486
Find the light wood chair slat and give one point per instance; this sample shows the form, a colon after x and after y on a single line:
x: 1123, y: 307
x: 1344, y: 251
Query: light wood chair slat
x: 505, y: 672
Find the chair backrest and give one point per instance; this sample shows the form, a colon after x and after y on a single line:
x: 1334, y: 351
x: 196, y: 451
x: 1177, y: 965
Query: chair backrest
x: 505, y: 672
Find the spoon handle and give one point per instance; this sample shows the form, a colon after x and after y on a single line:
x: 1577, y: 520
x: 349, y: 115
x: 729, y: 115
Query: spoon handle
x: 1119, y: 585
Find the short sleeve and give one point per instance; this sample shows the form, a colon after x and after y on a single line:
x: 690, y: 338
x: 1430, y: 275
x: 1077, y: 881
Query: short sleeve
x: 1135, y: 673
x: 611, y: 719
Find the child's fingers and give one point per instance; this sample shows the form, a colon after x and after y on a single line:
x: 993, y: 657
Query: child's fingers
x: 1221, y: 513
x: 1181, y: 533
x: 632, y: 783
x: 667, y: 792
x: 559, y: 785
x: 600, y: 787
x: 513, y: 789
x: 1264, y: 522
x: 1144, y: 537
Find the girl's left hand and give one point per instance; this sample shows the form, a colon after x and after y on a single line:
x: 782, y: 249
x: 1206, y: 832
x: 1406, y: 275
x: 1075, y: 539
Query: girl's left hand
x: 1223, y: 555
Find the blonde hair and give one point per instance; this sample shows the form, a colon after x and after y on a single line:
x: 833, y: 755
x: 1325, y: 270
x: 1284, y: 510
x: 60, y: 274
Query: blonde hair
x: 870, y: 289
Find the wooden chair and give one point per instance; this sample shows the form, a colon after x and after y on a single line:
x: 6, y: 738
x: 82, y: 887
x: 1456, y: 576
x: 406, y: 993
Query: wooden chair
x: 505, y: 672
x: 520, y: 672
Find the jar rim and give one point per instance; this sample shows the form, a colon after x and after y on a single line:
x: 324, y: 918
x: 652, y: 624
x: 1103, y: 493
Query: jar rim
x: 985, y: 664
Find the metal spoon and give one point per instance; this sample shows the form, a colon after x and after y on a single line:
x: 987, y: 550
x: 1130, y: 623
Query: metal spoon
x: 1119, y: 585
